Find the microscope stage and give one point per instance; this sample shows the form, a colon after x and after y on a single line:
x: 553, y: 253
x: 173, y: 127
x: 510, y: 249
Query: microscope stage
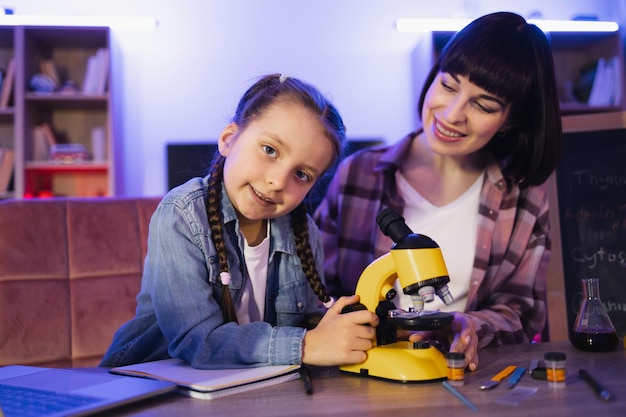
x: 421, y: 320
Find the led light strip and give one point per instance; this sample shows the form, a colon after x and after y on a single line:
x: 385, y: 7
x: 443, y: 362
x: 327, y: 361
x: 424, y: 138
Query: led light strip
x: 118, y: 22
x: 454, y: 25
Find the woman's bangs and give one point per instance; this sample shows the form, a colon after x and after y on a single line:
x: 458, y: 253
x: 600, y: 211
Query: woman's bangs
x: 501, y: 73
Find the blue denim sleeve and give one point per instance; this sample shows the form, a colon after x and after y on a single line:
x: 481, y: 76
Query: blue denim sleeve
x: 179, y: 279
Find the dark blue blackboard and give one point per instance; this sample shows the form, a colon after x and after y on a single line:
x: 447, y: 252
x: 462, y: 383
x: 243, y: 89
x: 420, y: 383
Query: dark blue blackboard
x: 591, y: 183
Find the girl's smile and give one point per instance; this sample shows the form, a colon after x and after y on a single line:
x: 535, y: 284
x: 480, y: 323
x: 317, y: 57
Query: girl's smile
x: 262, y: 199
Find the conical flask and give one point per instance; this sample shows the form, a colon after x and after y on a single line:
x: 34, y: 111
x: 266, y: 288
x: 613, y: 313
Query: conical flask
x: 593, y: 330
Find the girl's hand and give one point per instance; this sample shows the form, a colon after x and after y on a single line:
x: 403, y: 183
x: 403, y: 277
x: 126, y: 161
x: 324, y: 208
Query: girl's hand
x: 340, y: 339
x: 461, y: 335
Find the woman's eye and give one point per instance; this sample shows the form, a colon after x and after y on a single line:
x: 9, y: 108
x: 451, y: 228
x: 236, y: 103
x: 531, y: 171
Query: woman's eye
x: 303, y: 176
x: 269, y: 150
x: 446, y: 86
x: 485, y: 109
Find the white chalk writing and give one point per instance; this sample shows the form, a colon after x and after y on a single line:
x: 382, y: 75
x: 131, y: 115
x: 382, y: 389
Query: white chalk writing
x: 592, y: 259
x: 601, y: 182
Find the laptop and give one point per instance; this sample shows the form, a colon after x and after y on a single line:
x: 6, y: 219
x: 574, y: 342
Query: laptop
x: 55, y: 392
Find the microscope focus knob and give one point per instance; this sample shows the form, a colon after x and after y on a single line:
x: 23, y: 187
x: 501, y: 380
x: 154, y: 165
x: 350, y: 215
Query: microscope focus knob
x: 422, y: 344
x: 353, y: 307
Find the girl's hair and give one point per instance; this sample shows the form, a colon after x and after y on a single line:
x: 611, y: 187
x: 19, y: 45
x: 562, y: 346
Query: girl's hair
x: 511, y: 59
x: 256, y: 100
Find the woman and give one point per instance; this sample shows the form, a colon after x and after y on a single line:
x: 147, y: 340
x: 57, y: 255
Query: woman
x: 473, y: 179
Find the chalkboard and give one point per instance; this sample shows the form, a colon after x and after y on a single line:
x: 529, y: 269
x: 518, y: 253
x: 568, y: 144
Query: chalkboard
x: 591, y: 184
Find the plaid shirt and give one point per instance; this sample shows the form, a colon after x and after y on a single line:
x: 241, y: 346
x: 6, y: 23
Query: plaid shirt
x: 507, y: 293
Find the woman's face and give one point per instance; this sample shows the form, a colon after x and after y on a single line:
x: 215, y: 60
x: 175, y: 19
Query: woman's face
x: 272, y: 164
x: 460, y: 118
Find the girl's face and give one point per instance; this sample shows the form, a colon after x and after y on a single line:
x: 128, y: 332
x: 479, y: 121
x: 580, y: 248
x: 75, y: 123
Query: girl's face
x: 459, y: 117
x: 272, y: 164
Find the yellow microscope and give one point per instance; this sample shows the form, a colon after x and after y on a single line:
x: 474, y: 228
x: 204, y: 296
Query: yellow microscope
x: 417, y: 262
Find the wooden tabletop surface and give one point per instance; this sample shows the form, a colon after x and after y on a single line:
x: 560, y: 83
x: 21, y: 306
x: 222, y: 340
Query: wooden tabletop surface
x: 343, y: 394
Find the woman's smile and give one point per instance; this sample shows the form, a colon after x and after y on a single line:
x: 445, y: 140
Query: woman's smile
x: 446, y: 134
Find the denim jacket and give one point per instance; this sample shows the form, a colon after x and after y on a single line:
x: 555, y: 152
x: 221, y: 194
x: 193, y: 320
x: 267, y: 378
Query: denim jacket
x: 178, y: 307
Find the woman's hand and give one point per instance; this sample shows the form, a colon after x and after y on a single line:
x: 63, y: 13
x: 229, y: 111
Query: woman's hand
x: 340, y: 339
x: 460, y: 335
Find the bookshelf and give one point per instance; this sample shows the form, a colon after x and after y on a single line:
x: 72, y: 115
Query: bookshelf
x: 573, y: 53
x: 72, y: 114
x: 7, y: 114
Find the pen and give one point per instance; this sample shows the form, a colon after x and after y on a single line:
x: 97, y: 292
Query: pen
x: 516, y: 376
x: 599, y: 389
x: 495, y: 380
x: 305, y: 374
x: 460, y: 396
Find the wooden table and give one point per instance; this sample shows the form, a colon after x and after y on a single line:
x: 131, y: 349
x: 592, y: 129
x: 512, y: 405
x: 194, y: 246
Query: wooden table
x: 341, y: 394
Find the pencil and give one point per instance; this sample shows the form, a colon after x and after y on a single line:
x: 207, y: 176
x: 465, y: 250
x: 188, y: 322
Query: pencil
x: 460, y: 396
x: 305, y: 374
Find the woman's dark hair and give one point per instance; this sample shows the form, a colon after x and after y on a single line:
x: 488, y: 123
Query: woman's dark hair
x: 255, y: 101
x: 511, y: 59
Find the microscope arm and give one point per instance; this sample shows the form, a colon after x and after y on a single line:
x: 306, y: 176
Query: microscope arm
x: 376, y: 281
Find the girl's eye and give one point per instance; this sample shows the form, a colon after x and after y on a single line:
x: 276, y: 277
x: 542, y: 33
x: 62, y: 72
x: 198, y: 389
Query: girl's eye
x: 303, y: 176
x: 269, y: 150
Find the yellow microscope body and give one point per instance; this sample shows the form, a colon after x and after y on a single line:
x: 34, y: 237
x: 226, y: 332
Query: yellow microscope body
x: 417, y: 262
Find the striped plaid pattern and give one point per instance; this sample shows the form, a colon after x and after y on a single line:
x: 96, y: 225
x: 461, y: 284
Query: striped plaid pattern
x: 507, y: 294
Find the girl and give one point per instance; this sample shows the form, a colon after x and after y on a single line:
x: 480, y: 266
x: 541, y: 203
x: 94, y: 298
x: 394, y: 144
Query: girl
x: 473, y: 179
x: 233, y: 261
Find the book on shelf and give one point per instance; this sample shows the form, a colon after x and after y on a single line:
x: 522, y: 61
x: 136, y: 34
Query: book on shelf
x: 210, y: 383
x: 103, y: 73
x: 89, y: 82
x: 97, y: 73
x: 607, y: 83
x: 7, y: 85
x: 7, y: 159
x: 41, y: 144
x: 617, y: 80
x: 49, y: 134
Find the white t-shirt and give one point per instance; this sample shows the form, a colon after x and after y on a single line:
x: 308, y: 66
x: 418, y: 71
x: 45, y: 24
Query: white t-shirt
x: 453, y: 228
x: 251, y: 306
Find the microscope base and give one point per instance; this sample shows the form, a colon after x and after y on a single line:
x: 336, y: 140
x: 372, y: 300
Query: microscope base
x: 402, y: 362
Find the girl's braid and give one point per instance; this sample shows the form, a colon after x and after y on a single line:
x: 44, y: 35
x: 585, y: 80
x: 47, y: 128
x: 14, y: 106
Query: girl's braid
x: 300, y: 227
x: 214, y: 212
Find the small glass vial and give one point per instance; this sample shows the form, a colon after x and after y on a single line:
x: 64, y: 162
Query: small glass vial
x: 456, y: 367
x: 555, y: 366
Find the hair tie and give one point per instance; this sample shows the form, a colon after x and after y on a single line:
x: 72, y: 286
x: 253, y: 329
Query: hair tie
x: 282, y: 78
x: 225, y: 278
x: 329, y: 303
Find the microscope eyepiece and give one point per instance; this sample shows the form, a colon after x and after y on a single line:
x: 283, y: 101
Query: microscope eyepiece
x: 429, y: 279
x: 392, y: 224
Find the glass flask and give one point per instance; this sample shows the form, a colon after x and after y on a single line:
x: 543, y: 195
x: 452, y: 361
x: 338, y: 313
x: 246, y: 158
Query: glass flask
x: 593, y: 330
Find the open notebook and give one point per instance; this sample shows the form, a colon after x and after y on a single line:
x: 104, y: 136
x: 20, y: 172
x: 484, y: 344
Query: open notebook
x: 211, y: 383
x: 55, y: 392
